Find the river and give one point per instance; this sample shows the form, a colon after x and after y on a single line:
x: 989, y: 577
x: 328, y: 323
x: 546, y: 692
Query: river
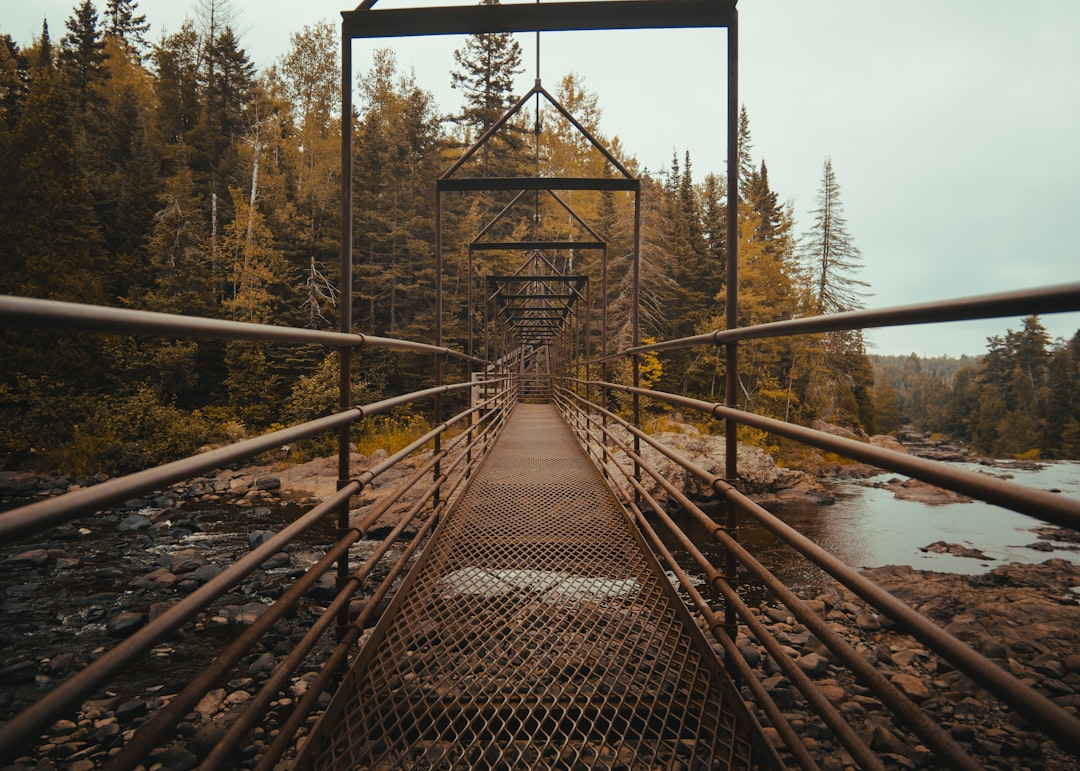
x: 869, y: 527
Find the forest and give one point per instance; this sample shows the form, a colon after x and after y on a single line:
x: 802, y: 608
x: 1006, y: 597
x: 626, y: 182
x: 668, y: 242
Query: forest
x: 1018, y: 400
x: 171, y: 175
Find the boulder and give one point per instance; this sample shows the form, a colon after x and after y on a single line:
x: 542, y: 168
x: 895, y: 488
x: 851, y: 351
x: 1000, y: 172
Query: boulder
x: 920, y: 492
x: 888, y: 442
x: 759, y: 476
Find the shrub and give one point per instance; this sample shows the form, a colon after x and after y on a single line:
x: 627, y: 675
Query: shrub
x: 130, y: 432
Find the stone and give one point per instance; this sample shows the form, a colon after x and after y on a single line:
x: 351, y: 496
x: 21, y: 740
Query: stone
x: 125, y: 623
x: 186, y: 560
x: 134, y: 522
x: 210, y: 704
x: 265, y: 663
x: 955, y: 549
x: 750, y: 654
x: 883, y: 740
x: 888, y: 442
x: 179, y: 758
x: 911, y: 686
x: 813, y: 664
x: 130, y: 710
x: 19, y: 672
x: 257, y: 538
x: 30, y: 557
x: 279, y: 560
x: 867, y: 622
x: 207, y: 737
x: 204, y: 573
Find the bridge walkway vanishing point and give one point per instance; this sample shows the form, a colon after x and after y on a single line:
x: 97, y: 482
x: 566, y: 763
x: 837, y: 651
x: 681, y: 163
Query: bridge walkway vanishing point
x: 536, y: 631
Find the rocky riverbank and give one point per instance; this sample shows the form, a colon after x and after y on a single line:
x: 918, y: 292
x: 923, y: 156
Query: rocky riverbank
x: 72, y: 592
x: 67, y: 595
x: 1024, y: 618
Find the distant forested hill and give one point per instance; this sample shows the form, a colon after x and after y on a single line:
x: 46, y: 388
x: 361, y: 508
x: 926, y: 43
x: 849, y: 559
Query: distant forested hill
x: 1020, y: 399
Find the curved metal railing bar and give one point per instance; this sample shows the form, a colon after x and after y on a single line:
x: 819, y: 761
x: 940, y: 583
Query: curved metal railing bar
x: 1039, y: 504
x: 1058, y: 723
x: 54, y: 314
x: 73, y: 691
x: 464, y: 451
x: 153, y: 731
x: 1061, y: 298
x: 903, y: 707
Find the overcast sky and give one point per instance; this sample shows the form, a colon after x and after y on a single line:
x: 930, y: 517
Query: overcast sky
x: 953, y: 126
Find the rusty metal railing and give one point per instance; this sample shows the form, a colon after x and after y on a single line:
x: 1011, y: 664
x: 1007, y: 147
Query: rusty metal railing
x: 608, y: 438
x: 462, y: 442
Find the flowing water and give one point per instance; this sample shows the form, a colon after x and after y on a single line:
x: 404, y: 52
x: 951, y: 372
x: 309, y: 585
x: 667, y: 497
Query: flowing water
x: 869, y: 527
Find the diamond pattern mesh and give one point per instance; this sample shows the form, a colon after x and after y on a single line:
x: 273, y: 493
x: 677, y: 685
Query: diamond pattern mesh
x: 534, y: 633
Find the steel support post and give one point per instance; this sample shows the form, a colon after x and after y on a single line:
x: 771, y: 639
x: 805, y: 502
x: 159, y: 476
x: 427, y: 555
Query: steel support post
x: 731, y: 374
x: 636, y: 324
x: 438, y: 373
x: 345, y: 281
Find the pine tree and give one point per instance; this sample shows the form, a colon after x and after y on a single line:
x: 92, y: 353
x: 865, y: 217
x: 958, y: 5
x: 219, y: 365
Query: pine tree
x: 123, y: 21
x: 229, y: 84
x: 746, y: 162
x: 83, y: 57
x: 14, y: 82
x: 829, y: 254
x: 176, y: 86
x: 489, y: 63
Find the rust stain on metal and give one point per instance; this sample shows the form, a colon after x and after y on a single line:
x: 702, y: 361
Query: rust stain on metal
x: 536, y: 633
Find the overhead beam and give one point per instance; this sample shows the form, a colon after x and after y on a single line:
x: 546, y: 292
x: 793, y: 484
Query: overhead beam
x: 535, y: 183
x: 488, y: 246
x: 539, y: 17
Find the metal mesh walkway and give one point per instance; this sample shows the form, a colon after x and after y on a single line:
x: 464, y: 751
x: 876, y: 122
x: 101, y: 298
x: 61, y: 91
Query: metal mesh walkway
x: 535, y: 632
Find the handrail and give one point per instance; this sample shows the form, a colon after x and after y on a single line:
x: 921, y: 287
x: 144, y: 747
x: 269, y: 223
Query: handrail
x: 1003, y: 684
x: 34, y: 312
x: 149, y: 734
x: 1031, y: 502
x: 42, y: 515
x: 464, y: 451
x: 70, y: 693
x: 1061, y: 298
x: 918, y: 721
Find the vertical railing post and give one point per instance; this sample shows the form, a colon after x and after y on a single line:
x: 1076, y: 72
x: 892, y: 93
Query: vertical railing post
x: 345, y: 288
x: 438, y: 374
x: 469, y: 300
x: 588, y: 347
x: 605, y: 392
x: 731, y: 375
x: 636, y: 325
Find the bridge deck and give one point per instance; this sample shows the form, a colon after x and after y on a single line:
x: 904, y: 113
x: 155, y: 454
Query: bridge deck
x: 535, y: 632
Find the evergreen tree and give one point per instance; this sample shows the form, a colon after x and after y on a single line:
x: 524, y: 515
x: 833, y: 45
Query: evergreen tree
x: 714, y: 226
x: 829, y: 254
x: 14, y: 82
x: 83, y: 57
x: 398, y: 151
x: 229, y: 85
x: 124, y: 22
x: 746, y: 161
x: 176, y: 86
x: 887, y: 417
x: 488, y: 64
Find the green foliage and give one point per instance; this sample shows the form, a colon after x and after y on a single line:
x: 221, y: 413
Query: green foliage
x: 129, y: 432
x: 184, y: 182
x: 389, y: 432
x: 1017, y: 401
